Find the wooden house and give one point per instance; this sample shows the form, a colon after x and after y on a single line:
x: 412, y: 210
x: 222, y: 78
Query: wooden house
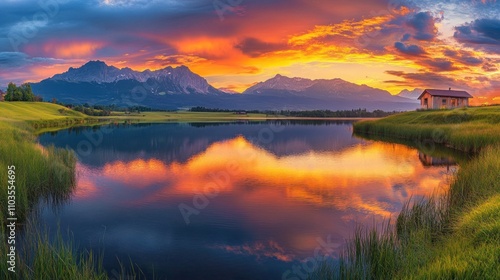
x: 444, y: 99
x: 2, y: 95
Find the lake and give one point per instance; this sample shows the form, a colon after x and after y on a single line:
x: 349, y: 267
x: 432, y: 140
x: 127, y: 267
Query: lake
x: 233, y: 200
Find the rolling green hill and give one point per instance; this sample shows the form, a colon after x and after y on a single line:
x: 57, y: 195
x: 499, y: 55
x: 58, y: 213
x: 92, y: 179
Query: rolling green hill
x: 36, y: 111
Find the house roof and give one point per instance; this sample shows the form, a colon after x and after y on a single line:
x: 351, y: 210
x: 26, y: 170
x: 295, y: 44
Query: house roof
x: 446, y: 93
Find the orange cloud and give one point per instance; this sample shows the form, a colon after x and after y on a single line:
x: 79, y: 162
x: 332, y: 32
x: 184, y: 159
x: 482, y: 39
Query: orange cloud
x: 72, y: 49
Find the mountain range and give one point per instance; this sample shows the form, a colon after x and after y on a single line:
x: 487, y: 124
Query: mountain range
x: 411, y: 94
x: 177, y: 88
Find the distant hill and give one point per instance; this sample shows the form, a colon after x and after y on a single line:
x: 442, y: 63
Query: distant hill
x: 329, y: 89
x: 228, y: 90
x: 414, y: 94
x: 174, y: 88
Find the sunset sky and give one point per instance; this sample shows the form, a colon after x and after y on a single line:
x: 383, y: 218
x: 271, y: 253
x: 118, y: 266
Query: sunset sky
x: 388, y: 44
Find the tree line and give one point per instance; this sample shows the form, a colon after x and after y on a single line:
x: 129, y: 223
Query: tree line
x: 355, y: 113
x: 217, y: 110
x: 105, y: 110
x: 21, y: 93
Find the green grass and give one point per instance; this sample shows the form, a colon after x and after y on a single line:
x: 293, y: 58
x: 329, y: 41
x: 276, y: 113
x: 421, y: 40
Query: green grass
x: 36, y: 111
x: 453, y: 236
x: 45, y: 258
x: 462, y: 237
x: 467, y: 129
x: 47, y: 173
x: 40, y: 173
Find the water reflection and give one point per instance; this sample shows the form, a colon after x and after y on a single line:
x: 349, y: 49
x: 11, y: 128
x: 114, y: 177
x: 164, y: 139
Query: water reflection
x: 272, y: 201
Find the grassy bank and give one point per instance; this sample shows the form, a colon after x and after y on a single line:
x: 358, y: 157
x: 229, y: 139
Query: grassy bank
x: 40, y: 174
x: 454, y: 236
x: 468, y: 129
x: 46, y: 173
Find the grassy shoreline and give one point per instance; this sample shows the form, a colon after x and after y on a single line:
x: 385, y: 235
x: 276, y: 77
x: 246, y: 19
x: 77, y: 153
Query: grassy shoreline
x: 40, y: 174
x: 454, y: 236
x: 467, y: 129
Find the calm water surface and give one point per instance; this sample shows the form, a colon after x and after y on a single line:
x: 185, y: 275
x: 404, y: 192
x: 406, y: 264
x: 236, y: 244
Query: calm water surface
x: 232, y: 201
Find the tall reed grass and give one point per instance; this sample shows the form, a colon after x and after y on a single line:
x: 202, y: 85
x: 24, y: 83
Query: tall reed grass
x: 40, y: 256
x: 41, y: 173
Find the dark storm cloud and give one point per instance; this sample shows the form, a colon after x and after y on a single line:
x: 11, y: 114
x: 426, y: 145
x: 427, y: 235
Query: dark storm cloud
x: 490, y: 67
x: 254, y: 47
x: 411, y: 50
x: 481, y: 33
x: 10, y: 60
x: 425, y: 79
x: 406, y: 37
x: 439, y: 64
x: 465, y: 57
x: 405, y: 27
x: 424, y: 25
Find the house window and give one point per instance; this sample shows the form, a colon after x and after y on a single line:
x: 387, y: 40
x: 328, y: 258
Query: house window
x: 444, y: 101
x: 426, y: 101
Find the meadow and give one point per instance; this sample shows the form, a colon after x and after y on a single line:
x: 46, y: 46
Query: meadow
x: 452, y: 236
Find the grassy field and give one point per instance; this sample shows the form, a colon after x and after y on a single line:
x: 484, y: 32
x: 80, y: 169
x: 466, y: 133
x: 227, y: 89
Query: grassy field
x: 454, y: 236
x: 36, y: 111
